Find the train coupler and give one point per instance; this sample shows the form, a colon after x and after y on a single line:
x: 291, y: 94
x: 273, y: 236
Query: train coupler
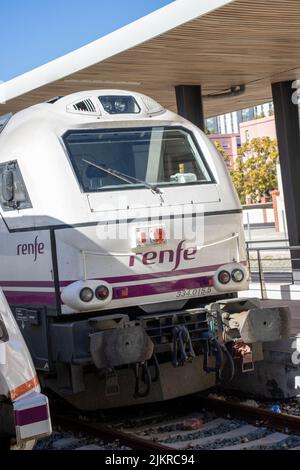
x: 142, y: 373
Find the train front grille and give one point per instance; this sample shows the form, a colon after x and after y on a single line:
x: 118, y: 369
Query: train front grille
x: 160, y: 327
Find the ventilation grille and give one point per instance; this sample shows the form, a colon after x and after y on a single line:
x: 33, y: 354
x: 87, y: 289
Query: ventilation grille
x: 160, y: 328
x: 85, y: 106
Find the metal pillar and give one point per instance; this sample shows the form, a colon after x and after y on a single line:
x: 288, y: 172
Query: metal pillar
x: 288, y: 135
x: 189, y: 104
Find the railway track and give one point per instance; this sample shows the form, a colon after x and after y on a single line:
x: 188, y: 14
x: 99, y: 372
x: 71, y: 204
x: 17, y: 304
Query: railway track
x: 206, y: 423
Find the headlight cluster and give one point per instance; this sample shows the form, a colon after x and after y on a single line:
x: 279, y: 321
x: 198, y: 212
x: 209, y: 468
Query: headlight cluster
x: 237, y: 275
x: 87, y: 294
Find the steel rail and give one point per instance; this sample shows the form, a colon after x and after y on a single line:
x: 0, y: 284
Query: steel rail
x: 107, y: 433
x: 276, y: 421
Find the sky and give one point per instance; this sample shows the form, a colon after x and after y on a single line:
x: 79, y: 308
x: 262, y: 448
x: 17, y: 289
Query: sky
x: 33, y: 32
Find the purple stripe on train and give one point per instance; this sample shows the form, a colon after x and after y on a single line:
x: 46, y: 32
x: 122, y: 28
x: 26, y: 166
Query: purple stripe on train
x: 48, y: 298
x: 36, y: 298
x: 128, y: 278
x: 162, y: 287
x: 31, y: 415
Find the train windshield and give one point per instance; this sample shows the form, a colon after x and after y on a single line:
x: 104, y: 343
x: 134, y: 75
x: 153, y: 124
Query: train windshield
x: 160, y: 156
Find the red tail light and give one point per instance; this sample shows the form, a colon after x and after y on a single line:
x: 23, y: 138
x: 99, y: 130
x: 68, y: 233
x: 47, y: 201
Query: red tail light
x: 102, y: 292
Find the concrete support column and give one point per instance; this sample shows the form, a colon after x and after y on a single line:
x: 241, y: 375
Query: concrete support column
x: 288, y: 135
x: 189, y: 104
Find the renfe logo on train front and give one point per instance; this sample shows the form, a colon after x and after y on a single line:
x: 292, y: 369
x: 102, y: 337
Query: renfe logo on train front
x: 31, y: 249
x: 166, y: 256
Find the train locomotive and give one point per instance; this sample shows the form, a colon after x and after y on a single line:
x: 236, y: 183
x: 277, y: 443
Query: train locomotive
x: 122, y: 252
x: 24, y: 411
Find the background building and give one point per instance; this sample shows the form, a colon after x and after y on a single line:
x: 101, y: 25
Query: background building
x: 232, y: 130
x: 230, y: 123
x: 263, y: 127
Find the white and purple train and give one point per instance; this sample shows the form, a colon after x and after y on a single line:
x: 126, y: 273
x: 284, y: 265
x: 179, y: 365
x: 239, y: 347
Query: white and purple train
x: 122, y: 251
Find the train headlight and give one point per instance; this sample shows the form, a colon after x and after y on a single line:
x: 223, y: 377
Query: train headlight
x: 237, y: 275
x: 224, y: 277
x: 86, y: 294
x: 102, y: 292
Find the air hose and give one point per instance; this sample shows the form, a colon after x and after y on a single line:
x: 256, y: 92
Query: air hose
x: 146, y: 377
x: 182, y: 346
x: 220, y: 349
x: 212, y: 343
x: 155, y: 377
x: 230, y: 363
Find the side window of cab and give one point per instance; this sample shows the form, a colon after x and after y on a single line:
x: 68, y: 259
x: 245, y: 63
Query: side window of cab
x: 13, y: 192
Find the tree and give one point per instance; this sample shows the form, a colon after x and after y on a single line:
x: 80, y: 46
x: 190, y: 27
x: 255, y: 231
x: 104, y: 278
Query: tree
x: 221, y: 150
x: 260, y: 115
x: 254, y: 174
x: 238, y: 178
x: 219, y: 147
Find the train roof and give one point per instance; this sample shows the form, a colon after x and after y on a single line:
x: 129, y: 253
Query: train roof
x: 91, y: 108
x: 108, y: 104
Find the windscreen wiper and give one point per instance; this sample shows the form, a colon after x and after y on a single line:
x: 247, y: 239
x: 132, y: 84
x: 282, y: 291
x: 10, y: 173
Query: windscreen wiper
x: 129, y: 179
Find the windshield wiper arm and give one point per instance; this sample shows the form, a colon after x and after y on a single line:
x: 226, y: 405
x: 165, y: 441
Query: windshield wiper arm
x: 127, y: 178
x: 109, y: 171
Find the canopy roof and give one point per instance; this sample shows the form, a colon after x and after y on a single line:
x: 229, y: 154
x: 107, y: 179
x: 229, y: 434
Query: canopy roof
x: 215, y: 43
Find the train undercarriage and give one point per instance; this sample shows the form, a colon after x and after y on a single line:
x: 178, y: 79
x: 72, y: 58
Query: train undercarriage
x: 124, y: 358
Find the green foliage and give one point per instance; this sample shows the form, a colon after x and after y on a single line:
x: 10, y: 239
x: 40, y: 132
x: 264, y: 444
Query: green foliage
x: 260, y: 115
x: 219, y: 147
x: 254, y: 173
x: 221, y: 151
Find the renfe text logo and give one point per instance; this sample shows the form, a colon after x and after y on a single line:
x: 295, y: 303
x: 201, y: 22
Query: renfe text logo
x: 31, y: 249
x: 166, y: 256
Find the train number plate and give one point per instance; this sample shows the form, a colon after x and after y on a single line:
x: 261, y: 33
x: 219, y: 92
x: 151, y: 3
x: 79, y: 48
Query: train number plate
x: 198, y: 292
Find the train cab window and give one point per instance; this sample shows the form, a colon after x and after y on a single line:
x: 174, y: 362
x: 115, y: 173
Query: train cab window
x: 13, y: 192
x: 119, y: 158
